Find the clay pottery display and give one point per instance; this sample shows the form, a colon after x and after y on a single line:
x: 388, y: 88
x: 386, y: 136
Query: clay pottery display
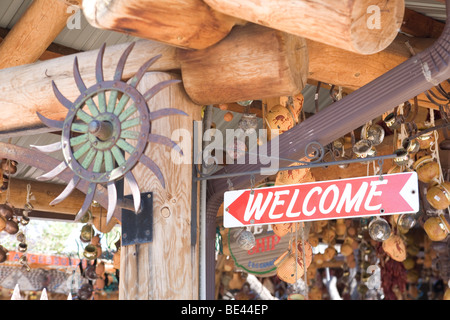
x: 288, y: 269
x: 313, y: 239
x: 438, y: 196
x: 11, y: 227
x: 3, y: 254
x: 2, y: 223
x: 341, y: 227
x: 329, y: 253
x: 427, y: 169
x: 436, y: 228
x: 395, y: 248
x: 346, y: 249
x: 282, y: 229
x: 6, y: 211
x: 328, y: 235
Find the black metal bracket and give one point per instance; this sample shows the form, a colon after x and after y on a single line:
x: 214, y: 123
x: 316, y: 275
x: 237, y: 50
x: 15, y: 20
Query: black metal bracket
x: 138, y: 228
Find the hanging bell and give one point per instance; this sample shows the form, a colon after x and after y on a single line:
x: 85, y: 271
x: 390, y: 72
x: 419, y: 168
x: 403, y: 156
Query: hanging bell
x: 374, y: 133
x: 402, y: 157
x: 21, y: 237
x: 390, y: 121
x: 379, y: 229
x: 24, y: 220
x: 22, y: 247
x: 12, y: 227
x: 85, y: 291
x: 86, y: 217
x: 364, y: 148
x: 406, y: 222
x: 87, y: 231
x: 90, y: 252
x: 412, y: 146
x: 248, y: 123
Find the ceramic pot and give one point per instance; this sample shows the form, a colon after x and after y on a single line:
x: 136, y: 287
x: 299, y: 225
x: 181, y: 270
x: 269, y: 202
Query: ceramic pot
x: 438, y: 196
x: 3, y: 254
x: 6, y: 211
x: 12, y: 227
x: 436, y: 228
x: 427, y: 169
x: 288, y: 269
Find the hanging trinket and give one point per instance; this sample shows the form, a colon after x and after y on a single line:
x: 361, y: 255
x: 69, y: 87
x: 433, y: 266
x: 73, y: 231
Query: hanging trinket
x: 412, y: 146
x: 406, y: 222
x: 427, y: 169
x: 87, y: 232
x: 245, y: 239
x: 90, y: 252
x: 379, y: 229
x: 402, y: 157
x: 374, y: 133
x: 426, y: 140
x: 364, y: 148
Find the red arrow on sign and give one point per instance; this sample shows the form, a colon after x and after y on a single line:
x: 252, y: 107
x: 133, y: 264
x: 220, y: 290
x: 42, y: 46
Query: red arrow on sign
x: 323, y: 200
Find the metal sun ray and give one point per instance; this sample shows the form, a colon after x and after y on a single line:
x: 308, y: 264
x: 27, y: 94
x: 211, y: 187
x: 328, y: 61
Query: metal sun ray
x: 95, y: 160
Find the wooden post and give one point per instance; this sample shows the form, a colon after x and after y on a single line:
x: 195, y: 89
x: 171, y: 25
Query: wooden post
x: 362, y: 26
x: 34, y: 32
x: 167, y: 267
x: 253, y: 62
x: 182, y: 23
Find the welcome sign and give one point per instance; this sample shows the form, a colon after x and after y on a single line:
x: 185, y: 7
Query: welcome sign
x: 323, y: 200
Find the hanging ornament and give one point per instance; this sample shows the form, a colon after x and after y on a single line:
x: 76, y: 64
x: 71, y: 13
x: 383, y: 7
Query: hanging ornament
x: 364, y: 148
x: 379, y: 229
x: 87, y: 232
x: 244, y: 238
x: 373, y: 132
x: 438, y: 195
x: 402, y: 157
x: 406, y: 222
x: 437, y: 228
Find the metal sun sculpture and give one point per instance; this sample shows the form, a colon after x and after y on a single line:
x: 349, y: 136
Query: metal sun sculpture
x: 106, y: 131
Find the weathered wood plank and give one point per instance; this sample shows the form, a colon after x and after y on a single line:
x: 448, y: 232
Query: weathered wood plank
x: 168, y: 266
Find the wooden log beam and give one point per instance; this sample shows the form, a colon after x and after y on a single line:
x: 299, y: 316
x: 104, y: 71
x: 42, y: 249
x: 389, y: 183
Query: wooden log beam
x: 29, y: 87
x: 363, y: 26
x: 36, y: 29
x: 182, y: 23
x: 46, y: 163
x: 244, y: 67
x: 44, y: 193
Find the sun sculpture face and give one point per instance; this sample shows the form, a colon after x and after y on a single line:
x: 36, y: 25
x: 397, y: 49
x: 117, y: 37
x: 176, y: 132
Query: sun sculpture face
x: 106, y: 132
